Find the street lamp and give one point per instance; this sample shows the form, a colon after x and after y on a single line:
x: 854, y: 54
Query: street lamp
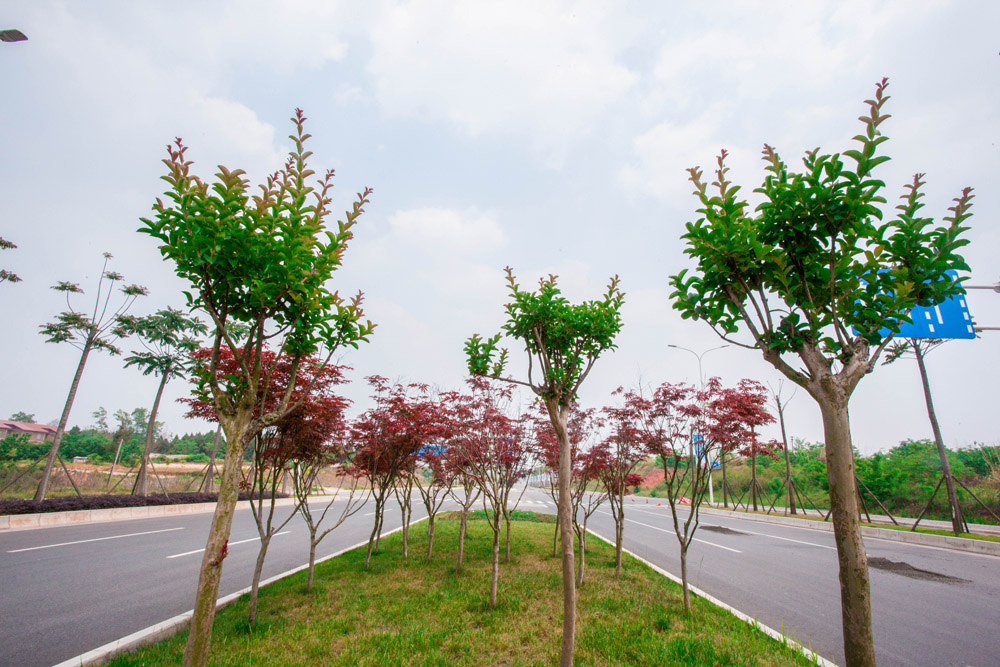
x: 701, y: 376
x: 701, y: 385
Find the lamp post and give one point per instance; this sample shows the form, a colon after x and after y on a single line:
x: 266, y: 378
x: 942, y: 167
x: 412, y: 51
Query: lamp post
x: 701, y: 386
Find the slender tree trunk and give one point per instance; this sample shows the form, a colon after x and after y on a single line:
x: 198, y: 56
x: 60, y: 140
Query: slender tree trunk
x: 43, y: 485
x: 855, y: 595
x: 430, y: 536
x: 255, y: 583
x: 555, y: 538
x: 495, y: 572
x: 949, y: 481
x: 619, y: 534
x: 405, y: 510
x: 142, y: 487
x: 753, y: 479
x: 725, y: 487
x: 583, y: 554
x: 559, y: 415
x: 506, y: 520
x: 312, y: 560
x: 216, y: 547
x: 684, y: 578
x: 372, y: 540
x: 461, y: 539
x: 209, y: 481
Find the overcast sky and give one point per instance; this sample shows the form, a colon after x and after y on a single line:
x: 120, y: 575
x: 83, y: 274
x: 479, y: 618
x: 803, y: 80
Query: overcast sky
x: 550, y: 136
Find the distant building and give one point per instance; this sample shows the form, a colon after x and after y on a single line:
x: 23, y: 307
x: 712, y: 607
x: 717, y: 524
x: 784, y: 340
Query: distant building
x: 35, y: 432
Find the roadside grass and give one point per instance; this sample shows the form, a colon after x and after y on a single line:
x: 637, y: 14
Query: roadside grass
x: 408, y: 612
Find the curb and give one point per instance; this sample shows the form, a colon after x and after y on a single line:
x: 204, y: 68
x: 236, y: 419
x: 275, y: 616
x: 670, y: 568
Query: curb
x: 980, y: 547
x: 179, y: 623
x: 770, y: 632
x: 12, y: 522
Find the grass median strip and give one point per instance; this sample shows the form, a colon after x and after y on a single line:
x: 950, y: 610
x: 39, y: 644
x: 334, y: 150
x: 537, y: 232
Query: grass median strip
x: 409, y: 612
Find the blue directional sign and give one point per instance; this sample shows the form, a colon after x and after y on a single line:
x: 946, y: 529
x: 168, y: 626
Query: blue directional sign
x: 699, y: 451
x: 949, y: 319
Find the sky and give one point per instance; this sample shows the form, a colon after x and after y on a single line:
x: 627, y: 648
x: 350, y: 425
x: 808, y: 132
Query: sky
x: 549, y: 136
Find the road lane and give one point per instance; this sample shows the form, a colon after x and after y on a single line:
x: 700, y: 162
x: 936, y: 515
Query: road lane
x: 56, y: 603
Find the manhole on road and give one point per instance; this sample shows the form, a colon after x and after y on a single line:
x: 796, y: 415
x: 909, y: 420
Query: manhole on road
x: 908, y: 570
x: 722, y: 529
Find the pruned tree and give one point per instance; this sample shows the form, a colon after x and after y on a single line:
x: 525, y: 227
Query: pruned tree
x: 260, y: 262
x: 734, y: 415
x: 433, y: 476
x: 582, y: 426
x: 494, y: 443
x: 386, y: 439
x: 464, y: 489
x: 588, y: 495
x: 168, y: 338
x: 323, y: 445
x: 820, y: 278
x: 625, y: 451
x: 666, y: 419
x: 100, y: 330
x: 5, y: 275
x: 562, y: 342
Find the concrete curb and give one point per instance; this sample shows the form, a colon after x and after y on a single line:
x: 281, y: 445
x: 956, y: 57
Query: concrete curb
x: 770, y: 632
x: 14, y: 522
x: 179, y: 623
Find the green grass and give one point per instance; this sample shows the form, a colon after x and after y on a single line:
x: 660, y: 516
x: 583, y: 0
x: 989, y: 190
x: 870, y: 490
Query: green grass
x: 936, y: 531
x: 407, y: 612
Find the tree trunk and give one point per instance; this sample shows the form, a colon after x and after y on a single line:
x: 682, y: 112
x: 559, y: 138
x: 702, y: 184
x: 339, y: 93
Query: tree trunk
x: 506, y: 521
x: 255, y: 583
x: 855, y: 595
x: 555, y: 537
x: 558, y: 415
x: 684, y: 578
x: 405, y: 510
x: 142, y: 486
x: 753, y: 479
x: 43, y: 485
x: 200, y: 637
x: 495, y: 572
x: 583, y: 554
x: 375, y: 530
x: 619, y: 535
x: 725, y: 486
x: 461, y: 539
x: 209, y: 480
x: 312, y: 561
x: 430, y: 536
x: 949, y: 481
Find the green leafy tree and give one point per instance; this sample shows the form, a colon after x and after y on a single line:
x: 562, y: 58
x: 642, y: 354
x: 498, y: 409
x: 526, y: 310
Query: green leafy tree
x: 820, y: 280
x: 100, y: 330
x: 168, y: 338
x: 258, y: 266
x: 562, y: 341
x: 23, y: 417
x: 4, y: 274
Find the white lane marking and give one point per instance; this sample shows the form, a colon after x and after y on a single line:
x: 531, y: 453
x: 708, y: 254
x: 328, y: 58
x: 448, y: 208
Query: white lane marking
x: 94, y: 539
x: 232, y: 544
x: 664, y: 530
x: 787, y: 539
x: 753, y: 532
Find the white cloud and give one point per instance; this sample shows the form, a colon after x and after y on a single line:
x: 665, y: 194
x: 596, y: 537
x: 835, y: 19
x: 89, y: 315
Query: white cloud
x: 442, y: 230
x: 544, y: 70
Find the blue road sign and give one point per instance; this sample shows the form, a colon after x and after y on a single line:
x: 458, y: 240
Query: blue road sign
x: 699, y: 440
x: 948, y: 319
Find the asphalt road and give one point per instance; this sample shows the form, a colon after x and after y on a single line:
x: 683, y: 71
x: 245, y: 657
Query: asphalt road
x: 69, y: 589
